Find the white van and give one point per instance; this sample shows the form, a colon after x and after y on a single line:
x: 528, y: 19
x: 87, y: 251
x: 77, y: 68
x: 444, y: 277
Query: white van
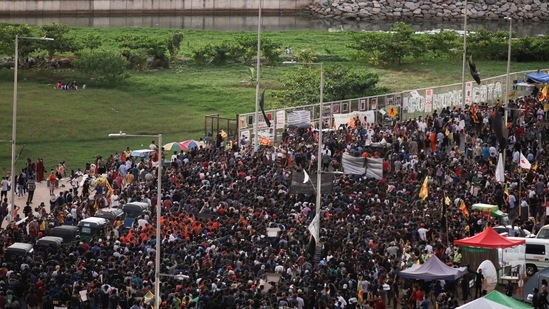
x: 537, y: 254
x: 543, y: 233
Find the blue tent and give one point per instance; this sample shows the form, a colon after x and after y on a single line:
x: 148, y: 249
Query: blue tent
x: 539, y: 77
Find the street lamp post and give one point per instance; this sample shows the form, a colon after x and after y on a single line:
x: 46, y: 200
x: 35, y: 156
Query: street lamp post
x: 319, y: 153
x: 14, y: 116
x: 158, y: 212
x: 463, y: 92
x: 507, y: 79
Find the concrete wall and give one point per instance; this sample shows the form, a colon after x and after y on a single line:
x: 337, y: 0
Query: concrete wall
x: 60, y: 7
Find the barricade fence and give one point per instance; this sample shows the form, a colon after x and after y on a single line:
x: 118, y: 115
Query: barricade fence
x: 390, y: 107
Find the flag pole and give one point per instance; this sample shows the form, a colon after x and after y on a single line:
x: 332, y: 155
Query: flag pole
x: 464, y: 53
x: 258, y: 67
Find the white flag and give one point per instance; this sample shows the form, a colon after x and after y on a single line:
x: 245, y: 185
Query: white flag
x: 524, y: 163
x: 314, y: 227
x: 306, y: 179
x: 500, y: 171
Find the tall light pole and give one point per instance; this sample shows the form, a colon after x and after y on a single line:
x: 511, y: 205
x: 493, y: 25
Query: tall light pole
x: 158, y: 212
x: 463, y: 92
x: 257, y: 84
x: 507, y: 78
x: 14, y: 116
x: 319, y: 153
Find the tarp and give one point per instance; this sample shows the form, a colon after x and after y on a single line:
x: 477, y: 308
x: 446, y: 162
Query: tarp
x: 539, y: 77
x: 535, y: 282
x: 505, y: 300
x: 483, y: 303
x: 489, y: 239
x: 142, y: 153
x: 433, y: 269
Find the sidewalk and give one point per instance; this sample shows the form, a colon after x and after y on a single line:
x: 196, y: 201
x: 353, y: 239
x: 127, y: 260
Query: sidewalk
x: 41, y: 195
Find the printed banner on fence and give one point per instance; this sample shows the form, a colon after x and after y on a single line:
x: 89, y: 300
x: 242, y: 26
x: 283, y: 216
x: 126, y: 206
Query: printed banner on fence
x: 300, y: 118
x: 428, y: 100
x: 298, y: 187
x: 280, y: 119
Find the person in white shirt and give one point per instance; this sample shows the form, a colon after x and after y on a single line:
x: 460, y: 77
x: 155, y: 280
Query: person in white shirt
x: 152, y: 146
x: 422, y: 231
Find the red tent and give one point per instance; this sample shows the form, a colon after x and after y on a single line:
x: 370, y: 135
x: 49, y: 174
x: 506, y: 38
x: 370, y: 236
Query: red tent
x: 488, y: 239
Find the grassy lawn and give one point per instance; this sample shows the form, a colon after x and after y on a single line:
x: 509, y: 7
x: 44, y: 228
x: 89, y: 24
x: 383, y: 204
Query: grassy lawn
x: 74, y: 125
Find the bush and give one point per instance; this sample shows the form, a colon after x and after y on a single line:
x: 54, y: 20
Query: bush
x: 103, y: 65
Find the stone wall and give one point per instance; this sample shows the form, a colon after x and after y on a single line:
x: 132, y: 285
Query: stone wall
x: 522, y: 10
x: 108, y: 7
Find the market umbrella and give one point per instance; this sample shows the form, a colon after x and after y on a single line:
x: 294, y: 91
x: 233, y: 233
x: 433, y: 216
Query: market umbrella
x: 173, y: 146
x: 188, y: 144
x: 483, y: 303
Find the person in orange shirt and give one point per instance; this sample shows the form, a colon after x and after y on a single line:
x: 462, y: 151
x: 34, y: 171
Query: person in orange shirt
x: 433, y: 140
x: 52, y: 181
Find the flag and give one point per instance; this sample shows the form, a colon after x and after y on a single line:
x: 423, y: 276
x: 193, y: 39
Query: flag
x: 544, y: 93
x: 298, y: 186
x: 223, y: 134
x: 535, y: 166
x: 424, y: 190
x: 500, y: 131
x: 473, y: 69
x: 524, y: 163
x: 148, y: 298
x: 314, y: 227
x: 306, y: 178
x: 474, y: 110
x: 264, y: 141
x: 506, y: 192
x: 500, y: 172
x: 360, y: 294
x: 463, y: 208
x: 262, y: 106
x: 447, y: 201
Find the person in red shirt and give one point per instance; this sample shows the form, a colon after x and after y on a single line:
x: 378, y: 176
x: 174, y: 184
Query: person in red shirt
x: 52, y: 181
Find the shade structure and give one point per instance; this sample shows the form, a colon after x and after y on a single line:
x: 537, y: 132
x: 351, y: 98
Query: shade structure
x: 539, y: 77
x: 535, y: 282
x: 483, y: 303
x: 489, y: 239
x: 188, y: 144
x: 484, y: 207
x: 505, y: 300
x: 142, y: 153
x: 173, y: 146
x: 433, y: 269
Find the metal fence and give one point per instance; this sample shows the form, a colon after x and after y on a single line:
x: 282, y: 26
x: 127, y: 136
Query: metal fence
x: 408, y: 104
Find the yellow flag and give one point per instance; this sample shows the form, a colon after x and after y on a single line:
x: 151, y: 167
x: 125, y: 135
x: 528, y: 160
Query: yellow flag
x: 424, y: 190
x: 447, y: 201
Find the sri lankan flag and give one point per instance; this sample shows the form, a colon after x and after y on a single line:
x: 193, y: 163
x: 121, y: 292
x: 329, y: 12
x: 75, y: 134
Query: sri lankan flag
x: 535, y: 166
x: 360, y: 293
x: 463, y: 208
x: 506, y: 191
x: 424, y: 190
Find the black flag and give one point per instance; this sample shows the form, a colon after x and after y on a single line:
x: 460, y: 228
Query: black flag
x: 473, y: 68
x: 262, y: 106
x: 500, y: 131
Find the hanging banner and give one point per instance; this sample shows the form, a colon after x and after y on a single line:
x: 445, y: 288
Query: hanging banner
x: 468, y: 93
x: 428, y: 100
x: 280, y: 119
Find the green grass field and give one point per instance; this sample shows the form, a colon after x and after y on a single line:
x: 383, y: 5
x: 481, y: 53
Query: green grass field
x: 74, y: 125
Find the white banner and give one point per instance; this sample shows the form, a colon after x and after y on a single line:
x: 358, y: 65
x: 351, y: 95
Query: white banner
x: 301, y: 118
x: 364, y: 117
x: 374, y: 168
x: 280, y: 119
x: 353, y: 165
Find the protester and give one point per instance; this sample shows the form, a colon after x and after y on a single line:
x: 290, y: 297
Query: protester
x: 220, y: 203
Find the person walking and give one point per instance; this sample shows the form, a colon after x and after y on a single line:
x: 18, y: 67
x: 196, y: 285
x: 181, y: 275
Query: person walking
x: 479, y: 280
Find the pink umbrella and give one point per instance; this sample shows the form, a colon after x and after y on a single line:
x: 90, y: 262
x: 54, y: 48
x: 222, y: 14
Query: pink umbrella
x: 188, y: 144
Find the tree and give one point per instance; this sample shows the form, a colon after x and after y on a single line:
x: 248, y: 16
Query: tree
x: 7, y: 40
x: 302, y: 86
x: 61, y: 43
x: 391, y: 47
x: 143, y: 45
x: 174, y: 44
x: 101, y: 64
x: 441, y: 44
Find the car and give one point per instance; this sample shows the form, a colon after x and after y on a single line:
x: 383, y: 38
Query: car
x: 505, y: 229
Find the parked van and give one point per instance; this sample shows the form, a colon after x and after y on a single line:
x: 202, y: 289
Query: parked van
x: 67, y: 232
x: 18, y: 249
x: 537, y: 254
x: 543, y: 233
x: 92, y: 227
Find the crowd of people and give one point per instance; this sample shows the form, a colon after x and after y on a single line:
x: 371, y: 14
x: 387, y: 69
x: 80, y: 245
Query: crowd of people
x: 222, y: 201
